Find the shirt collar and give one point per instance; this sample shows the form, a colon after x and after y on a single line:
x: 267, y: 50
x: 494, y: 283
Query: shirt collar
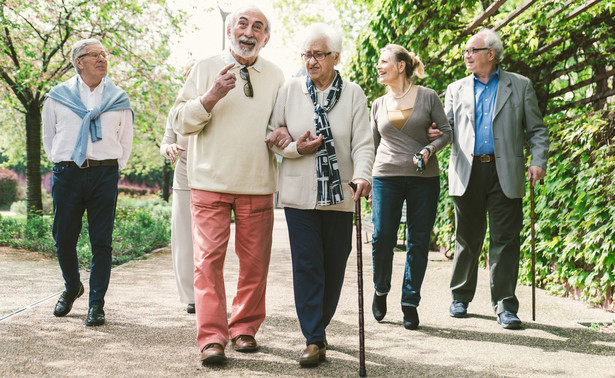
x: 84, y: 87
x: 495, y: 75
x: 228, y: 58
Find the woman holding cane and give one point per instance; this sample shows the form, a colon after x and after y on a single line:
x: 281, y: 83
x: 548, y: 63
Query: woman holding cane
x: 327, y: 118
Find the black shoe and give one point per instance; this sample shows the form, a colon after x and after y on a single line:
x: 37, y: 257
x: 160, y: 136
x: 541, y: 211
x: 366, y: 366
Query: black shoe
x: 96, y: 316
x: 509, y: 320
x: 379, y: 306
x: 65, y: 303
x: 458, y: 309
x: 411, y: 317
x: 190, y: 308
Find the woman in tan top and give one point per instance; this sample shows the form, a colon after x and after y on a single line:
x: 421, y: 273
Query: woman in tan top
x: 405, y: 169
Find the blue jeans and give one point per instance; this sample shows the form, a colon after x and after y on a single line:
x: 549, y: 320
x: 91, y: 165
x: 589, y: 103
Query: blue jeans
x: 75, y: 190
x: 320, y: 243
x: 388, y: 195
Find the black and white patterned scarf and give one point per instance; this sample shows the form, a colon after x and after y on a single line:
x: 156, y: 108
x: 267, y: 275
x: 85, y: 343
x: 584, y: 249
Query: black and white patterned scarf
x: 330, y: 190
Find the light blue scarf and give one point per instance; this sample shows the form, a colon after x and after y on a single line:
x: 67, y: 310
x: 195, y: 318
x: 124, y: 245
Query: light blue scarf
x: 113, y: 99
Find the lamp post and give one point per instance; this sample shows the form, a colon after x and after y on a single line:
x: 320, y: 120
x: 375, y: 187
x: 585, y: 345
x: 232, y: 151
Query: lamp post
x: 223, y: 14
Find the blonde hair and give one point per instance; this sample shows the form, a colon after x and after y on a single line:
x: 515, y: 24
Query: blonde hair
x: 414, y: 66
x: 188, y: 68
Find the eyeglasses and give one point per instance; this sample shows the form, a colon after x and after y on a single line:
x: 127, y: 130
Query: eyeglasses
x: 247, y: 87
x: 471, y: 51
x: 95, y: 54
x: 318, y: 55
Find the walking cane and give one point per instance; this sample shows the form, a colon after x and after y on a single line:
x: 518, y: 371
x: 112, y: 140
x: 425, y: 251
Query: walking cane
x: 533, y: 220
x: 362, y: 372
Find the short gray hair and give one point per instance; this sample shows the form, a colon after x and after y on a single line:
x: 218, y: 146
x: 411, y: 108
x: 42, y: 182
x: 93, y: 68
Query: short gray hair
x: 232, y: 17
x: 78, y: 49
x: 493, y: 41
x: 320, y: 31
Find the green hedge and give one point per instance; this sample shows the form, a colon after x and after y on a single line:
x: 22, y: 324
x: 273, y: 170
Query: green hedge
x: 575, y: 210
x: 9, y: 187
x: 141, y: 225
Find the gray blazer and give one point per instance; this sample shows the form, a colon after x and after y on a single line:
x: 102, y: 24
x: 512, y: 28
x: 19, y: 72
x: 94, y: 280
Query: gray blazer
x: 516, y: 118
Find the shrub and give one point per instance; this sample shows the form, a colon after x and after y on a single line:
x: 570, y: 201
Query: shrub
x: 9, y: 187
x: 19, y: 207
x: 141, y: 225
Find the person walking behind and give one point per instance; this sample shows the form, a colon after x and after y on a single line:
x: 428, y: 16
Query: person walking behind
x: 224, y: 109
x: 173, y: 147
x: 87, y: 134
x: 327, y: 118
x: 493, y: 113
x: 400, y: 120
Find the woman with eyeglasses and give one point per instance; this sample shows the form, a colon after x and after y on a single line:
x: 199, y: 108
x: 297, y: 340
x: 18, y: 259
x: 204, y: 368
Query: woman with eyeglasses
x: 332, y: 145
x: 405, y: 169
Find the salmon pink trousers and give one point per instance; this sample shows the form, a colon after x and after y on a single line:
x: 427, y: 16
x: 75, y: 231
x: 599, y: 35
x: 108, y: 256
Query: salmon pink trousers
x: 211, y: 220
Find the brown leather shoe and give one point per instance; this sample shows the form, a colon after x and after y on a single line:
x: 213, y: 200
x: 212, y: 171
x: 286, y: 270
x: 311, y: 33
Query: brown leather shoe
x: 213, y: 354
x: 245, y: 343
x: 313, y: 355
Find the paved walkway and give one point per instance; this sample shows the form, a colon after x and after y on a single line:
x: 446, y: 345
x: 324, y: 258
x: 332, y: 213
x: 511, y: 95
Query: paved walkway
x: 148, y: 333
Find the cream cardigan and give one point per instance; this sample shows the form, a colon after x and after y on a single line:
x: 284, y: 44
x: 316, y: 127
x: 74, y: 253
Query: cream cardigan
x: 226, y: 148
x: 354, y: 144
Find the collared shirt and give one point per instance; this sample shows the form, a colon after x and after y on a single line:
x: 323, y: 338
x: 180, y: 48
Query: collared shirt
x: 228, y: 58
x: 61, y: 127
x: 484, y: 105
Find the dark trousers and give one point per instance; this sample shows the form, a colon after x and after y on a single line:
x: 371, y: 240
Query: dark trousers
x: 484, y: 195
x: 388, y: 196
x: 320, y: 243
x: 75, y: 190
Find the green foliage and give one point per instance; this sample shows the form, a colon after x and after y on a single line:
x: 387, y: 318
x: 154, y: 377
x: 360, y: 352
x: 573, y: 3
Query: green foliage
x: 141, y: 225
x: 569, y: 56
x: 35, y: 55
x: 575, y: 225
x: 9, y: 187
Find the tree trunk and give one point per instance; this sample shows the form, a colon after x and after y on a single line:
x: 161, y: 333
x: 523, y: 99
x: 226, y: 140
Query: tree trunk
x: 33, y: 161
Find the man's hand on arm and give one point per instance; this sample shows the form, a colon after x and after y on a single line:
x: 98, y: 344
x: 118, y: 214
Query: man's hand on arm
x: 279, y: 137
x: 433, y: 132
x: 224, y: 82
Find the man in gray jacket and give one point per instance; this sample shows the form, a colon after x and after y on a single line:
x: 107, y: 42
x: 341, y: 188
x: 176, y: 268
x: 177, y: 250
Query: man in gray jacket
x: 492, y: 113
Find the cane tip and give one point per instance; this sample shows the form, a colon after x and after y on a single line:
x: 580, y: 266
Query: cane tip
x: 362, y: 372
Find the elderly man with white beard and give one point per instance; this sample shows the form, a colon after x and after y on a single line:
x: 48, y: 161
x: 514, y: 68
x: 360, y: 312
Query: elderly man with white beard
x: 224, y: 108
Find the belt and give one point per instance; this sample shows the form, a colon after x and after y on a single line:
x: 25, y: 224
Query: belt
x: 485, y: 158
x: 89, y: 163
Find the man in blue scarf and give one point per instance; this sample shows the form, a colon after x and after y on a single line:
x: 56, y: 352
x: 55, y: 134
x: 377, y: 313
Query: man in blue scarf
x: 87, y: 134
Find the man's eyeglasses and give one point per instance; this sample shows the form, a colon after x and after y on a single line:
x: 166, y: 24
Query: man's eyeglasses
x: 318, y: 55
x: 95, y: 54
x: 247, y: 87
x: 471, y: 51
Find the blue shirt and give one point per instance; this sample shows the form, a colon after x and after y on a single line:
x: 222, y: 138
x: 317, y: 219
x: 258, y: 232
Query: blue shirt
x: 484, y: 105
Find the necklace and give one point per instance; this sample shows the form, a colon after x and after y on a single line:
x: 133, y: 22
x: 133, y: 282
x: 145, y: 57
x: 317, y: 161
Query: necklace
x: 403, y: 94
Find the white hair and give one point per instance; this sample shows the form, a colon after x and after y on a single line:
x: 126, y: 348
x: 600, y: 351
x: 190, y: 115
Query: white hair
x: 492, y: 41
x: 232, y: 17
x: 320, y: 31
x: 78, y: 49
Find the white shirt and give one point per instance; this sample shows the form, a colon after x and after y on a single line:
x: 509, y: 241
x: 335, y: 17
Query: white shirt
x: 61, y: 128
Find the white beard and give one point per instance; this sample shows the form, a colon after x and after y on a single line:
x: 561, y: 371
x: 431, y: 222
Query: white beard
x: 244, y: 51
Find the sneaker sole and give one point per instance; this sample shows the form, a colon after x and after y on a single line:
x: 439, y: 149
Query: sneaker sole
x: 459, y: 315
x: 514, y: 325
